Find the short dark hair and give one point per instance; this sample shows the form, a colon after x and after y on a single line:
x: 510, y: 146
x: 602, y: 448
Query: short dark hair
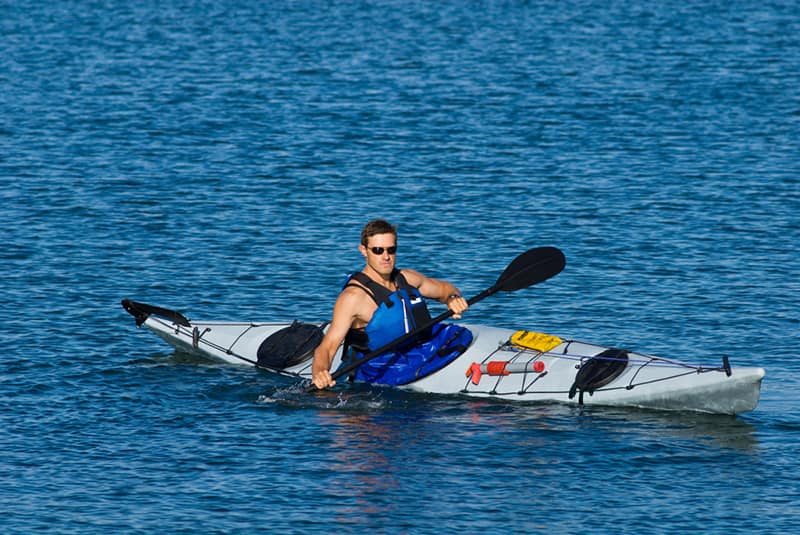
x: 377, y: 226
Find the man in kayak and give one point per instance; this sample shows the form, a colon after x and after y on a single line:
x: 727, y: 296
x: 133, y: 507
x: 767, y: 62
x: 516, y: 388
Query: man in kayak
x: 366, y: 314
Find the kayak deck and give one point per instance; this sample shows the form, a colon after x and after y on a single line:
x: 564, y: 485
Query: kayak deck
x: 645, y: 381
x: 494, y: 367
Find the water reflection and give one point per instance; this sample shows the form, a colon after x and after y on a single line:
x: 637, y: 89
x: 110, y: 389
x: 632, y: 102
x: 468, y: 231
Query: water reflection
x: 382, y: 445
x: 363, y: 471
x: 711, y: 430
x: 367, y: 421
x: 371, y: 449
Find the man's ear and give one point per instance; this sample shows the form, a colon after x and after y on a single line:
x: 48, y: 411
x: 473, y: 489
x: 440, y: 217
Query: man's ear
x: 363, y: 250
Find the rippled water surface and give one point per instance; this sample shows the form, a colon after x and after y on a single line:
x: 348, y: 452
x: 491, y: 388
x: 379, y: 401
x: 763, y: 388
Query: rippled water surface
x: 220, y: 158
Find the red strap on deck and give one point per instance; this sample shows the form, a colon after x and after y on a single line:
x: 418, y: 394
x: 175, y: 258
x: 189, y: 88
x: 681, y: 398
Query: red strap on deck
x: 497, y: 367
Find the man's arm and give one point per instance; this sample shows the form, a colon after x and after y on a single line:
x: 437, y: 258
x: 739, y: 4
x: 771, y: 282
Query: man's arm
x: 440, y: 290
x: 344, y: 314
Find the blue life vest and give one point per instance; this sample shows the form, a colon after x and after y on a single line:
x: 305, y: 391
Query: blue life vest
x: 399, y: 313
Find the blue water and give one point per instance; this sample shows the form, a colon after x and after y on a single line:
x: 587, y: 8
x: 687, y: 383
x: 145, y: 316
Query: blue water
x: 220, y: 158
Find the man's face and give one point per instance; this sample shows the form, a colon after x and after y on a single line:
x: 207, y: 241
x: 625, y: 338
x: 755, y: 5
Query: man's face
x: 378, y: 255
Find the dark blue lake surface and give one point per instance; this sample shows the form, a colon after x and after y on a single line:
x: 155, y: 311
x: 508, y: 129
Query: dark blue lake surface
x: 220, y: 158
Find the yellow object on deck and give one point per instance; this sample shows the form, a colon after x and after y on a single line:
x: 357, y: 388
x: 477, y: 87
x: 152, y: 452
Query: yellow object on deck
x: 536, y: 341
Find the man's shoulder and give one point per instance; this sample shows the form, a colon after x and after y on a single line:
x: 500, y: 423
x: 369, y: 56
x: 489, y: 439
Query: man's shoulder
x: 355, y: 303
x: 354, y: 293
x: 413, y: 277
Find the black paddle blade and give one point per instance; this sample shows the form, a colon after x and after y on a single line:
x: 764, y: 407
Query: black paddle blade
x: 531, y: 267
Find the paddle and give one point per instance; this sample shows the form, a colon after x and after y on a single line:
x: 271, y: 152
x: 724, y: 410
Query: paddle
x: 529, y: 268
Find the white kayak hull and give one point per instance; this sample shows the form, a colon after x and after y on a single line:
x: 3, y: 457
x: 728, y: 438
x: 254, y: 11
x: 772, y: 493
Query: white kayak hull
x: 645, y: 381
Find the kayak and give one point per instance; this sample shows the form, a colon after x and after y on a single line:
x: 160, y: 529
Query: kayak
x: 501, y: 363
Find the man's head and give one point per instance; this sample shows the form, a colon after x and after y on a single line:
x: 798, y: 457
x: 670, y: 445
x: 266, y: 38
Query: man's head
x: 379, y: 246
x: 377, y: 226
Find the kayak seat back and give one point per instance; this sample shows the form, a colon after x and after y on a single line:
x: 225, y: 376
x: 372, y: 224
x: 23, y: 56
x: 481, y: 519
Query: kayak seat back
x: 598, y: 371
x: 290, y: 346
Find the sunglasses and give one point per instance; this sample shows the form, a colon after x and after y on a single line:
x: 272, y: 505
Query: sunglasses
x: 380, y: 250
